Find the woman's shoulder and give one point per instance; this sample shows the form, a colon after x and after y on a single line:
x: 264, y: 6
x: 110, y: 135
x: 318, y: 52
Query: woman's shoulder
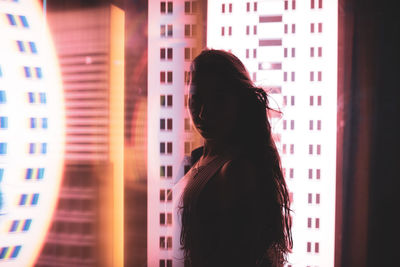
x: 237, y: 179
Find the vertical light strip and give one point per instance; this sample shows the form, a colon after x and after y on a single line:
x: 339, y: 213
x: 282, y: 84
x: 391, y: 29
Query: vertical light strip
x: 117, y: 66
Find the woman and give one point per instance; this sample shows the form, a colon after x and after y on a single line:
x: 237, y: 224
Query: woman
x: 235, y: 206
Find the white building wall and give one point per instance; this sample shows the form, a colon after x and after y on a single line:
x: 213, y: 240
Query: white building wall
x: 299, y: 38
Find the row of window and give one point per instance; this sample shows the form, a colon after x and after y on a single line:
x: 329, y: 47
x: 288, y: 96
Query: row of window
x: 78, y: 228
x: 167, y: 53
x: 165, y: 148
x: 37, y: 148
x: 167, y: 77
x: 310, y: 224
x: 311, y: 173
x: 37, y: 98
x: 165, y: 218
x: 166, y: 171
x: 20, y: 226
x: 23, y: 46
x: 165, y: 242
x: 33, y: 123
x: 34, y: 173
x: 165, y: 263
x: 317, y: 198
x: 292, y: 125
x: 166, y: 30
x: 293, y: 6
x: 293, y: 76
x: 33, y: 72
x: 312, y: 52
x: 76, y: 204
x: 28, y: 199
x: 17, y: 20
x: 316, y: 247
x: 310, y: 149
x: 165, y: 195
x: 167, y: 7
x: 9, y: 252
x: 68, y: 251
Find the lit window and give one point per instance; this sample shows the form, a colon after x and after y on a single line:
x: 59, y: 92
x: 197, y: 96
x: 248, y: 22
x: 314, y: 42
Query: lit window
x: 317, y: 223
x: 38, y: 72
x: 318, y: 174
x: 32, y: 122
x: 162, y: 195
x: 169, y: 195
x: 42, y: 97
x: 33, y: 48
x: 3, y: 122
x: 11, y: 19
x: 21, y: 46
x: 35, y: 199
x: 169, y: 148
x: 40, y: 173
x: 27, y: 72
x: 44, y: 148
x: 24, y: 21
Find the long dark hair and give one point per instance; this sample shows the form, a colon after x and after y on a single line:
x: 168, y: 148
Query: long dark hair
x: 253, y: 132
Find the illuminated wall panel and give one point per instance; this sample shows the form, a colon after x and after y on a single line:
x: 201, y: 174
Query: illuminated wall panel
x: 32, y: 131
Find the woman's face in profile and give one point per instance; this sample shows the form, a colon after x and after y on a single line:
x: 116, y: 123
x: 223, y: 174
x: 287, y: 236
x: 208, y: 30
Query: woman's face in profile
x: 213, y: 110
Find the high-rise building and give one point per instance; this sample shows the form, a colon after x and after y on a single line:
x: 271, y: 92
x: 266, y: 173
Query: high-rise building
x: 290, y: 49
x: 32, y: 131
x: 174, y: 37
x: 87, y: 229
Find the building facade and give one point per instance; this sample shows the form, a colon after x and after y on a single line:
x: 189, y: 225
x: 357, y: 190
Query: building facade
x: 290, y: 50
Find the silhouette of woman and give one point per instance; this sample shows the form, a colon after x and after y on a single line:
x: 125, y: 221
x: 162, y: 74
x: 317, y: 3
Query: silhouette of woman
x: 234, y: 207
